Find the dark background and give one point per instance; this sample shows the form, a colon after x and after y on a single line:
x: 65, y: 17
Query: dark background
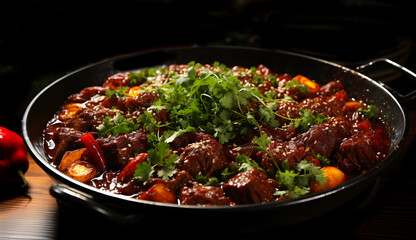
x: 41, y: 41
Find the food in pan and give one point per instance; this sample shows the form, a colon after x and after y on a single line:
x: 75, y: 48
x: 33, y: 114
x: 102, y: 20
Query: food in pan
x: 214, y: 135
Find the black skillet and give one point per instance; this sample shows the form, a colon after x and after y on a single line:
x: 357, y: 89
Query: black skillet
x: 126, y: 210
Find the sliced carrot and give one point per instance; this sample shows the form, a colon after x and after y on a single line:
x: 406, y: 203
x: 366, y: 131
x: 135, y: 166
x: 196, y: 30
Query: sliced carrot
x: 334, y: 177
x: 69, y: 158
x: 69, y: 110
x: 313, y: 87
x: 353, y: 105
x: 159, y: 193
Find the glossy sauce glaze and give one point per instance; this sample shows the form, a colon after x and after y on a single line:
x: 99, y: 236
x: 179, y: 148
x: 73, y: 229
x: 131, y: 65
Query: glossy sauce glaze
x: 212, y: 135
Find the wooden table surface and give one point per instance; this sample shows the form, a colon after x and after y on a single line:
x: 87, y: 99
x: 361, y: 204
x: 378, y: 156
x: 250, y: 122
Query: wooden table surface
x: 389, y: 212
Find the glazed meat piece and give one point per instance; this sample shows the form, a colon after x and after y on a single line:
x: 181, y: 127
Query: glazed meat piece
x: 289, y: 151
x: 330, y: 88
x: 279, y: 134
x: 324, y: 138
x: 88, y: 119
x: 203, y: 158
x: 68, y: 139
x: 191, y: 137
x: 118, y: 79
x: 231, y: 152
x: 203, y: 195
x: 86, y: 94
x: 144, y: 99
x: 249, y: 187
x: 118, y: 149
x: 289, y: 109
x: 363, y: 150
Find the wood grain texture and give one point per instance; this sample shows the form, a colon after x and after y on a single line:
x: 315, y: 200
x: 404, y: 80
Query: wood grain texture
x: 32, y: 215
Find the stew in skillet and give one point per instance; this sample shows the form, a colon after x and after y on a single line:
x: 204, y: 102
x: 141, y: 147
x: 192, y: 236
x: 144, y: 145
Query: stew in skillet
x: 213, y: 135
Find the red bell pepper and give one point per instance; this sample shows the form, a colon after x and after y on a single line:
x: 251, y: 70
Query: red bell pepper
x: 13, y: 159
x: 95, y: 151
x: 131, y: 167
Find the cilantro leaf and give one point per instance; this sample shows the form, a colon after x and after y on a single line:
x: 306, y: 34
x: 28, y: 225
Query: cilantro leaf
x: 324, y: 160
x: 167, y: 171
x: 261, y: 142
x: 148, y: 121
x: 295, y: 181
x: 117, y: 93
x: 160, y: 158
x: 268, y: 115
x: 137, y: 78
x: 307, y: 119
x: 144, y: 172
x: 295, y: 84
x: 158, y: 153
x: 370, y: 112
x: 208, y: 180
x: 246, y: 164
x: 115, y: 126
x: 213, y: 100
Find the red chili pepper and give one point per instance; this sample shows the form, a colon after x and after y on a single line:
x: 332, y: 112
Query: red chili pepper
x: 13, y: 159
x: 131, y: 167
x: 95, y: 151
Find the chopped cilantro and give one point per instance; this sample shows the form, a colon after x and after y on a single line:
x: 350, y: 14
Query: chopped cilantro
x: 246, y: 164
x: 322, y: 159
x: 116, y: 126
x: 144, y: 172
x: 307, y: 119
x: 209, y: 99
x: 272, y: 79
x: 295, y: 181
x: 257, y: 80
x: 117, y: 93
x: 137, y: 78
x: 295, y: 84
x: 370, y: 112
x: 160, y: 157
x: 212, y: 181
x: 148, y: 121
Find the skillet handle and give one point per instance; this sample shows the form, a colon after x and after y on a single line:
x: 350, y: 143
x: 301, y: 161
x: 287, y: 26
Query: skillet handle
x: 411, y: 75
x: 70, y: 195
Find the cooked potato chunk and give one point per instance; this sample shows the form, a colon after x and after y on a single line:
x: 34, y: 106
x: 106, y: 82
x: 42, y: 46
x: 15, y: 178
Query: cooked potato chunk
x: 82, y: 171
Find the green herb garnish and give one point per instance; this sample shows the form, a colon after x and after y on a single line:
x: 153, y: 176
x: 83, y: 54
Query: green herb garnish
x: 115, y: 126
x: 117, y: 93
x: 296, y: 181
x: 160, y: 158
x: 307, y: 119
x: 295, y: 84
x: 370, y: 112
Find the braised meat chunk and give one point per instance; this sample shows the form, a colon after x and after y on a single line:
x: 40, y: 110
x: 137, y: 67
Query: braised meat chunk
x: 203, y: 158
x: 324, y: 138
x: 118, y: 149
x: 363, y: 150
x: 249, y: 187
x: 203, y: 195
